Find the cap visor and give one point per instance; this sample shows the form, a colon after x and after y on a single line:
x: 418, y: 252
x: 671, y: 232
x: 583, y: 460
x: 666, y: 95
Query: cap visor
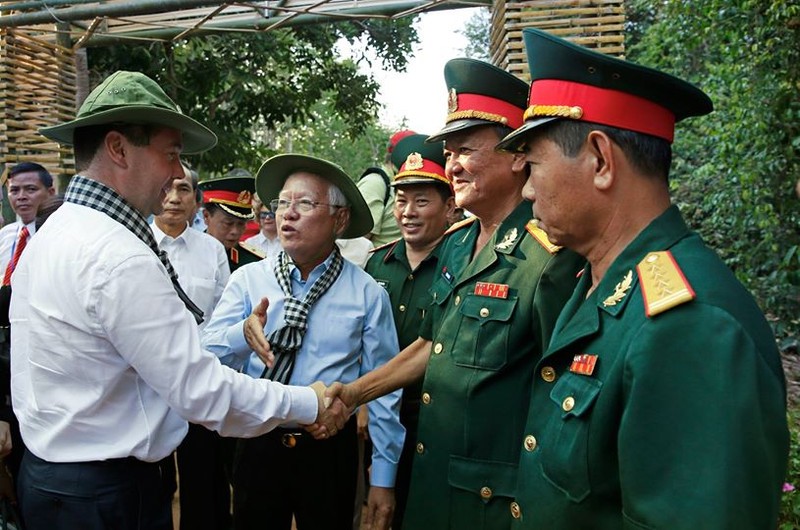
x: 516, y: 138
x: 456, y: 126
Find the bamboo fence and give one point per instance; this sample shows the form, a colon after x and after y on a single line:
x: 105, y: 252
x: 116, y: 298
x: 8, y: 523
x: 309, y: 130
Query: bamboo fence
x: 37, y: 89
x: 596, y: 24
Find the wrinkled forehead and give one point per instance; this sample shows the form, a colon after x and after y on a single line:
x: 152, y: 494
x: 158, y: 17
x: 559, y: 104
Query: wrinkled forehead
x: 305, y: 184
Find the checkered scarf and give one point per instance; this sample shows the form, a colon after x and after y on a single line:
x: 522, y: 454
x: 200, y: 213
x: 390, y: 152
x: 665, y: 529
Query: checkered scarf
x: 286, y: 341
x: 97, y: 196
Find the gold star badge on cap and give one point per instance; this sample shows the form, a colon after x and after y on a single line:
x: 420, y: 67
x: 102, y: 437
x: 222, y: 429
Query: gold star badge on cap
x: 452, y: 100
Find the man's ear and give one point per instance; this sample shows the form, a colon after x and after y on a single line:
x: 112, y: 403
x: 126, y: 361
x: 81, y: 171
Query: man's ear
x: 342, y: 221
x: 116, y: 147
x: 518, y: 164
x: 602, y: 157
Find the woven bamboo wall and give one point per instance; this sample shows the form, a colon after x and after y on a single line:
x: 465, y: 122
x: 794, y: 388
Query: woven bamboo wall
x: 597, y: 24
x: 37, y: 88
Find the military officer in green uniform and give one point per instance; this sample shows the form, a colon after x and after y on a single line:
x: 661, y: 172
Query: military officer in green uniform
x: 406, y: 268
x: 495, y: 298
x: 227, y: 206
x: 660, y: 401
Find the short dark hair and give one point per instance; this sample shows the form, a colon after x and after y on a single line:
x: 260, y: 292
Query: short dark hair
x: 649, y: 154
x: 32, y: 167
x: 87, y: 140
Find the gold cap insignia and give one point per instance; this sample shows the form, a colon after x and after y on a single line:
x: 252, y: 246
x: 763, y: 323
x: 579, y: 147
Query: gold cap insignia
x: 620, y: 290
x: 245, y: 197
x: 413, y: 161
x: 508, y: 240
x: 452, y: 100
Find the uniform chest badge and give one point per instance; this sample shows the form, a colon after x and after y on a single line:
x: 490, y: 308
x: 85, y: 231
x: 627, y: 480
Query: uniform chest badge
x: 491, y: 290
x: 447, y: 275
x: 508, y: 240
x: 583, y: 364
x: 620, y: 291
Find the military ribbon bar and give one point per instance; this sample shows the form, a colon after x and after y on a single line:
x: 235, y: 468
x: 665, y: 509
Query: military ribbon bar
x: 583, y: 364
x: 492, y: 290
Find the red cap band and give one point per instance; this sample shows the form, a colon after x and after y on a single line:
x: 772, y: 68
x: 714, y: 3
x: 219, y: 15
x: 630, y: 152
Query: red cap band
x: 487, y: 108
x: 428, y: 166
x: 604, y: 106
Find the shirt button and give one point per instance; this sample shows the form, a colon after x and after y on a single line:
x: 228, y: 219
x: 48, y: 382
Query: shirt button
x: 426, y: 398
x: 486, y: 492
x: 568, y: 404
x: 516, y: 512
x: 530, y: 443
x: 420, y: 448
x: 437, y: 349
x: 458, y: 299
x: 484, y: 312
x: 410, y: 276
x: 402, y: 308
x: 548, y: 374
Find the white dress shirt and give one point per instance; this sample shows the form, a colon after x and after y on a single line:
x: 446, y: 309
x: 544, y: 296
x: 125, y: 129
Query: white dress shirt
x: 270, y: 247
x: 8, y: 241
x: 107, y: 361
x: 201, y: 263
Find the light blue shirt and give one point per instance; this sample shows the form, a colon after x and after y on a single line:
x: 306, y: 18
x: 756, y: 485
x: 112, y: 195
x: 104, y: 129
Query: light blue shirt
x: 350, y: 332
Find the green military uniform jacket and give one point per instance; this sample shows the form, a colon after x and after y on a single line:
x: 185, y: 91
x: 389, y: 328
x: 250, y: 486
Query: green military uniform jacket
x: 242, y: 255
x: 680, y: 424
x: 486, y: 339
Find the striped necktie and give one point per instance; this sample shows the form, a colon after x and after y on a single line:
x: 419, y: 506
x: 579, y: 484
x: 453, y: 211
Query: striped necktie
x: 21, y: 242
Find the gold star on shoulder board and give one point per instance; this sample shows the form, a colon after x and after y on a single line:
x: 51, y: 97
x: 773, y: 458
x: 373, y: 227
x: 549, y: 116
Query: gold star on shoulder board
x: 619, y: 291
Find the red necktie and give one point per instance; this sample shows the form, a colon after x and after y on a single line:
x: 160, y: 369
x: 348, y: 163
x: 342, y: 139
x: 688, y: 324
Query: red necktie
x: 21, y: 242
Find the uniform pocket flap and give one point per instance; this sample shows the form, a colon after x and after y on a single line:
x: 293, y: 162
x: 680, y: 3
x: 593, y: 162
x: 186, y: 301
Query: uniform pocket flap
x: 488, y: 309
x: 440, y: 290
x: 484, y: 478
x: 575, y: 394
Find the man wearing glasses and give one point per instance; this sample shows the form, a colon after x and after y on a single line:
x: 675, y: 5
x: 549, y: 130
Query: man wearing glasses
x: 266, y: 239
x: 323, y: 318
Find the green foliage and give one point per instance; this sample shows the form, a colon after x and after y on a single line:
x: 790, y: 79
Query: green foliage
x: 789, y: 518
x: 244, y: 85
x: 477, y: 31
x: 734, y: 171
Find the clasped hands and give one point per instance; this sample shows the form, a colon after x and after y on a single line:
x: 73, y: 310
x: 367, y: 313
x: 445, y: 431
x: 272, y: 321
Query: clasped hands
x: 336, y: 404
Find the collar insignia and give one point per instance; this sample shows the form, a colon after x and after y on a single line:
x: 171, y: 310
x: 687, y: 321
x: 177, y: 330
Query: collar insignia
x: 508, y: 240
x: 619, y: 291
x: 452, y: 100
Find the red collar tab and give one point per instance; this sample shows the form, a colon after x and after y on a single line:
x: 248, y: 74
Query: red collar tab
x: 568, y: 99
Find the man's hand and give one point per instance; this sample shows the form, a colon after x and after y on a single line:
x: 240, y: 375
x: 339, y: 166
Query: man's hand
x: 343, y: 400
x: 254, y: 332
x: 331, y: 416
x: 5, y: 438
x: 380, y: 508
x: 362, y: 422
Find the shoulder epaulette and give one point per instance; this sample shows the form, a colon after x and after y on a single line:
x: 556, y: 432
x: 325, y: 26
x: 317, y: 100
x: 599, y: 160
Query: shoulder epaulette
x: 663, y: 284
x: 385, y: 245
x: 539, y: 235
x: 253, y: 250
x: 461, y: 224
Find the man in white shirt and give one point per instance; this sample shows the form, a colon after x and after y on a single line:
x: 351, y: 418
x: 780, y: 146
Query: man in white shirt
x: 266, y: 239
x: 106, y: 360
x: 29, y: 185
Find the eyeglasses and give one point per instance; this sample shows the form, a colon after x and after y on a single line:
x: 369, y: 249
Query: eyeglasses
x: 300, y: 205
x: 266, y: 215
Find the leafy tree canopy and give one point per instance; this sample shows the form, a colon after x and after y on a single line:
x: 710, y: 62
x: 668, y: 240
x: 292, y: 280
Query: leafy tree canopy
x: 242, y: 84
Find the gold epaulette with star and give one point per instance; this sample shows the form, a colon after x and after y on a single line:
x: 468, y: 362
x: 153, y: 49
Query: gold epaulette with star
x: 539, y: 235
x: 663, y: 284
x: 461, y: 224
x: 253, y: 250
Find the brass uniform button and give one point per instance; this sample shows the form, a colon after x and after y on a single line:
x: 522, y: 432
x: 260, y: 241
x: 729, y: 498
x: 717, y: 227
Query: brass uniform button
x: 458, y: 299
x: 426, y: 398
x: 410, y: 276
x: 484, y: 312
x: 516, y: 512
x: 530, y: 443
x: 548, y: 374
x: 568, y: 404
x: 486, y: 492
x: 402, y: 308
x: 437, y: 349
x: 420, y: 448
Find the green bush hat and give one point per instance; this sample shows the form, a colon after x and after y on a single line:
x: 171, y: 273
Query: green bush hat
x: 419, y: 162
x: 234, y: 195
x: 134, y: 98
x: 274, y: 172
x: 479, y: 93
x: 571, y: 82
